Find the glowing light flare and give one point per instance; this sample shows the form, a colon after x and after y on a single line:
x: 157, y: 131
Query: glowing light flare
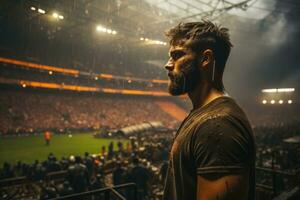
x: 60, y: 17
x: 280, y: 101
x: 32, y: 8
x: 150, y: 41
x: 106, y: 30
x: 264, y: 102
x: 290, y: 101
x: 55, y: 15
x: 275, y: 90
x: 41, y: 11
x: 272, y: 101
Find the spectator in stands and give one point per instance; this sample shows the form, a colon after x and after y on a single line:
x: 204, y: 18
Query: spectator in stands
x: 89, y: 163
x: 64, y: 189
x: 139, y: 175
x: 110, y: 149
x: 119, y: 174
x: 7, y: 171
x: 48, y: 191
x: 78, y: 176
x: 97, y: 182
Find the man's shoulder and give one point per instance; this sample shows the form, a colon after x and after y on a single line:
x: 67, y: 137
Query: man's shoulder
x: 224, y: 110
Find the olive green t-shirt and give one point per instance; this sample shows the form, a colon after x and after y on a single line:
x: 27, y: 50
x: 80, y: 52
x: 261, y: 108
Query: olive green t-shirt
x: 216, y: 138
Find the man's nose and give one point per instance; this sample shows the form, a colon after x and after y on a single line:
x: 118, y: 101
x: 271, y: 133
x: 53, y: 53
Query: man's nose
x: 169, y: 66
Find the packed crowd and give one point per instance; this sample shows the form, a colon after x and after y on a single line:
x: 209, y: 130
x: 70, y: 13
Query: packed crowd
x: 143, y: 163
x: 23, y: 111
x: 87, y: 79
x: 279, y: 155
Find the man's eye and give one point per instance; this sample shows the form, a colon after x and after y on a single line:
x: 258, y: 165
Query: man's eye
x: 176, y: 56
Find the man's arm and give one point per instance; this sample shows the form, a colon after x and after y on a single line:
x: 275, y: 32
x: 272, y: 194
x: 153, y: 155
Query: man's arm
x: 222, y: 187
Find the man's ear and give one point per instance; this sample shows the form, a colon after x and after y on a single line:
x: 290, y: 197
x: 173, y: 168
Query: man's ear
x: 207, y: 58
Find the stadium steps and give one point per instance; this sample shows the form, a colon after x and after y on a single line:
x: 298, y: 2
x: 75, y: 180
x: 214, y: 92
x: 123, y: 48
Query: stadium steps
x: 172, y: 109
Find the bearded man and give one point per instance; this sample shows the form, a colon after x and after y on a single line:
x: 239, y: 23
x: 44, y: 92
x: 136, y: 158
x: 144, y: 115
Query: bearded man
x: 213, y: 153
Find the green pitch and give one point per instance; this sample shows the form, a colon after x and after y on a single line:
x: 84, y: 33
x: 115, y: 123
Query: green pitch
x: 30, y: 148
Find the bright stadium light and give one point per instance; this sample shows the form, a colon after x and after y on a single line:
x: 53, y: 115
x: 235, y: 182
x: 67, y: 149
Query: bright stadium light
x: 96, y: 78
x: 41, y: 11
x: 264, y: 101
x: 280, y: 101
x: 150, y: 41
x: 290, y: 101
x: 272, y: 101
x: 24, y: 85
x: 60, y: 17
x: 269, y: 90
x: 275, y: 90
x: 32, y: 8
x: 286, y: 89
x: 105, y: 30
x: 50, y: 72
x: 99, y: 28
x: 55, y: 15
x: 109, y: 31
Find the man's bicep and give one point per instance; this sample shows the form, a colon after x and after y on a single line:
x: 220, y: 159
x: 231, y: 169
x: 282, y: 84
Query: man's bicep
x: 220, y: 147
x: 223, y: 187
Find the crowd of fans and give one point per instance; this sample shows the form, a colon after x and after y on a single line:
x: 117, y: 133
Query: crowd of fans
x: 23, y: 111
x: 13, y: 72
x: 142, y: 162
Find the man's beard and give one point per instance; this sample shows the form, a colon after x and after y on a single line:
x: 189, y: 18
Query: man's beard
x: 184, y: 81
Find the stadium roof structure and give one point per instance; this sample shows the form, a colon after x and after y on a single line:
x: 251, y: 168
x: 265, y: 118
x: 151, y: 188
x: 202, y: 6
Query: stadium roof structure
x: 131, y: 19
x: 66, y: 26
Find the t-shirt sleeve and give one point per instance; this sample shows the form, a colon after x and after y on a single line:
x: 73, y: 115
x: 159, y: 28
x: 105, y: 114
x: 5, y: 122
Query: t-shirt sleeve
x: 220, y: 145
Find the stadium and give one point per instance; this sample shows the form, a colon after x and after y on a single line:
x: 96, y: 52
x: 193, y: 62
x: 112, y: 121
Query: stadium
x: 86, y: 110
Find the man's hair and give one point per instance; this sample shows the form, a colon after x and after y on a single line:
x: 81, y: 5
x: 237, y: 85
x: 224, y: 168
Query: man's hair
x: 203, y: 35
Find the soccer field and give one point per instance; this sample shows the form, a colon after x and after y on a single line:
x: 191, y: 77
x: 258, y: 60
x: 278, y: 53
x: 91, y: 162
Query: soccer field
x: 30, y: 148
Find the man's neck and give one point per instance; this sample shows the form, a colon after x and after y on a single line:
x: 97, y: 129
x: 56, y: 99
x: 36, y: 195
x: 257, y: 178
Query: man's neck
x: 203, y: 95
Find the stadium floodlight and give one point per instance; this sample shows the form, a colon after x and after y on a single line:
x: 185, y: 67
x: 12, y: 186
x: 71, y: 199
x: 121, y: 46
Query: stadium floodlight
x: 290, y: 101
x: 280, y: 101
x: 141, y: 38
x: 96, y: 78
x: 272, y: 101
x: 24, y: 85
x: 41, y: 11
x: 55, y: 15
x: 50, y: 72
x: 146, y: 39
x: 275, y: 90
x: 60, y: 16
x: 285, y: 89
x: 264, y: 101
x: 32, y: 8
x: 101, y: 29
x: 109, y: 31
x: 269, y: 90
x: 105, y: 30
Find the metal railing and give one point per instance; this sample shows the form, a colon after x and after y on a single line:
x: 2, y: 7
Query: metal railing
x: 106, y: 193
